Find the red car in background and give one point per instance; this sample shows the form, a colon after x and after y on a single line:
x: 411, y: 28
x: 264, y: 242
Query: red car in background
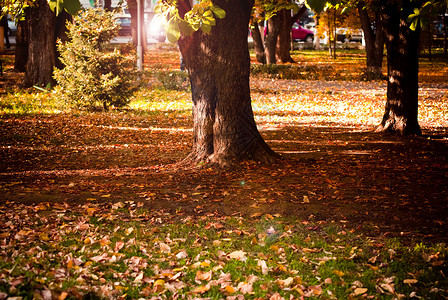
x: 302, y: 34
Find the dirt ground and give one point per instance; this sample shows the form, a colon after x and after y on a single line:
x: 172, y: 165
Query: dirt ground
x: 380, y: 184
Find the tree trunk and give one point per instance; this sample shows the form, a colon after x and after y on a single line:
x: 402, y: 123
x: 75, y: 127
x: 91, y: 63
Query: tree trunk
x: 258, y: 44
x: 273, y: 30
x: 21, y: 53
x: 283, y: 53
x: 133, y: 11
x: 374, y: 42
x: 218, y: 65
x: 284, y: 37
x: 401, y: 110
x: 61, y: 33
x: 41, y: 39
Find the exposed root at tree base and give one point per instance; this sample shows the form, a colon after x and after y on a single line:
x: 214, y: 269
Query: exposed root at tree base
x: 224, y: 160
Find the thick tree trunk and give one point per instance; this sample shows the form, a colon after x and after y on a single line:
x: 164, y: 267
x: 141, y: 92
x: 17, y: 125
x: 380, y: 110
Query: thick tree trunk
x: 374, y: 42
x: 41, y: 39
x: 273, y: 30
x: 401, y: 111
x: 258, y: 44
x: 218, y: 65
x: 21, y: 53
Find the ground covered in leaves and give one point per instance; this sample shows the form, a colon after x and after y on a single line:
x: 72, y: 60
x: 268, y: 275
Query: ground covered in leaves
x: 94, y: 204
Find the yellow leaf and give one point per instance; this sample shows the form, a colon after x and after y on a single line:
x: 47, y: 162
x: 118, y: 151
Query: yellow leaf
x: 87, y: 264
x: 44, y: 237
x: 201, y: 289
x: 70, y: 264
x: 359, y: 291
x: 63, y: 295
x: 87, y: 240
x: 159, y: 282
x: 339, y: 273
x: 205, y: 264
x: 91, y: 211
x: 229, y: 289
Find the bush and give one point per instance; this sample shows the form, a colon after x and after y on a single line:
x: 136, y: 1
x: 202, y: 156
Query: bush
x: 95, y: 73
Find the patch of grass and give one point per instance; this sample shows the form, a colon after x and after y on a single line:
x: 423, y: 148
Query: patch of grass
x: 23, y: 103
x: 111, y: 256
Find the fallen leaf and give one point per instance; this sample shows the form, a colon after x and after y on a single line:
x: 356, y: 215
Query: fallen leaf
x: 202, y: 275
x: 360, y: 291
x: 410, y: 281
x: 239, y: 255
x: 264, y: 267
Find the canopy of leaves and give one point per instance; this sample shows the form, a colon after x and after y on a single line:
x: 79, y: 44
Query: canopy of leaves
x: 201, y: 16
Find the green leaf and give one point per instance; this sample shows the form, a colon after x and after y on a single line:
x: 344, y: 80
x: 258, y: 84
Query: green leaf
x: 219, y: 12
x: 186, y: 28
x: 72, y: 6
x: 316, y: 5
x: 206, y: 28
x: 172, y: 30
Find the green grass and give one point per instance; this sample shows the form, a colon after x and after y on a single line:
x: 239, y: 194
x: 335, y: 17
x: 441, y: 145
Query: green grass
x: 75, y: 252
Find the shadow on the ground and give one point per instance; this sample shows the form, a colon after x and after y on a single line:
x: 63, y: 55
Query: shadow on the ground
x: 378, y: 183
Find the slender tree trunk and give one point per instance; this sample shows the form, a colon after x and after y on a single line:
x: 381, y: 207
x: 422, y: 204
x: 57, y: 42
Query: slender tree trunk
x: 283, y: 53
x: 133, y: 11
x: 401, y: 112
x: 41, y: 49
x: 271, y: 39
x: 258, y: 44
x: 374, y: 42
x: 218, y: 65
x: 61, y: 33
x: 284, y: 40
x: 21, y: 53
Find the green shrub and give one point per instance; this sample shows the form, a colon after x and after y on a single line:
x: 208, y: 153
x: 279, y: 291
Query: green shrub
x: 95, y: 73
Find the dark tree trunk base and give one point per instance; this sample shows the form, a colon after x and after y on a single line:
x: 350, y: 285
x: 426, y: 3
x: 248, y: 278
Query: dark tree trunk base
x: 260, y: 153
x: 399, y: 125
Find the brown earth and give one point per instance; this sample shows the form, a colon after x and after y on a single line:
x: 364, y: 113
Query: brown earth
x: 378, y: 183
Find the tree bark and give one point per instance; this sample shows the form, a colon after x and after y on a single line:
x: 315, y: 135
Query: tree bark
x: 218, y: 65
x: 283, y: 51
x: 401, y: 112
x: 258, y: 44
x: 21, y: 53
x: 374, y: 42
x: 133, y: 11
x: 60, y: 31
x: 41, y: 48
x: 272, y: 32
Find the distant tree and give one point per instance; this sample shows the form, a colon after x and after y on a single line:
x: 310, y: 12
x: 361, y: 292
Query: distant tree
x: 38, y: 28
x: 279, y: 16
x: 213, y: 42
x: 374, y: 38
x: 402, y: 21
